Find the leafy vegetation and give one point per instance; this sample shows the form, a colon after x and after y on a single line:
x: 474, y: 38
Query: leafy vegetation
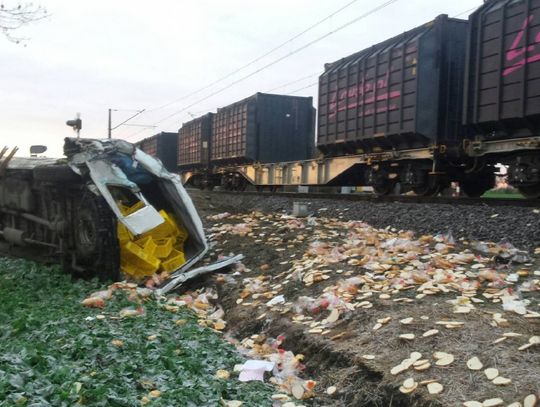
x: 55, y: 352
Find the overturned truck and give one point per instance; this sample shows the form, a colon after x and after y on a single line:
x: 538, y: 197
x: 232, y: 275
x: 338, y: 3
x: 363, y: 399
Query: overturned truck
x: 106, y: 208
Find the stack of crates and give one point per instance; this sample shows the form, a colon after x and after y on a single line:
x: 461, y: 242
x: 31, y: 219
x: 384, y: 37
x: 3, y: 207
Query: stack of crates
x: 159, y: 250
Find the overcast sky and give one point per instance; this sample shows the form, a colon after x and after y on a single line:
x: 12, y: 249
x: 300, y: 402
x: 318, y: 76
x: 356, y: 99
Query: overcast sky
x: 90, y: 56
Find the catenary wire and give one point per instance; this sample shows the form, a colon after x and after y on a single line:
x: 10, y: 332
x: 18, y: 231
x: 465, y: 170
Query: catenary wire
x: 293, y: 82
x: 268, y: 65
x: 465, y: 12
x: 253, y: 61
x: 304, y: 88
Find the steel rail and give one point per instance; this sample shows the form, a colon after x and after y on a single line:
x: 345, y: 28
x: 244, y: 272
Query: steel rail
x: 516, y: 202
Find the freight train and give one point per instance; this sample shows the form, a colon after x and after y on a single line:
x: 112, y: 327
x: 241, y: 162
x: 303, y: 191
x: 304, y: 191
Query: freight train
x: 446, y: 101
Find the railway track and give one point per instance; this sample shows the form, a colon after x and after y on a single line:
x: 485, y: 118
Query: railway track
x: 411, y: 199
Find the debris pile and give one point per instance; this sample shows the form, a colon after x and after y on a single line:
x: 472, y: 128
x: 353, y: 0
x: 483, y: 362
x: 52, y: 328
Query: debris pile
x: 286, y: 367
x: 327, y: 273
x: 132, y: 291
x: 386, y: 264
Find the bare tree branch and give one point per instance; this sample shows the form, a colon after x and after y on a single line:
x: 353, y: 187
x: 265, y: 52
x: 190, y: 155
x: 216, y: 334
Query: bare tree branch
x: 13, y: 17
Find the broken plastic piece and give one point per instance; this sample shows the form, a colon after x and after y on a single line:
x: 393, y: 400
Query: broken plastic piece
x: 254, y: 370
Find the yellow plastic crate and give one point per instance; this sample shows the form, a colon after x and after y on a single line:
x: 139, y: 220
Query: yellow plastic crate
x: 124, y: 235
x: 136, y: 261
x: 130, y: 269
x: 169, y: 228
x: 128, y: 210
x: 175, y: 260
x: 148, y: 245
x: 164, y: 247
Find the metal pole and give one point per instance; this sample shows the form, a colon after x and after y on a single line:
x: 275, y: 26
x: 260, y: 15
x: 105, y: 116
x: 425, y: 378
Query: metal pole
x: 109, y: 127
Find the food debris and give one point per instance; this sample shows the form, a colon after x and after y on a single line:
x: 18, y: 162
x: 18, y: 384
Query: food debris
x: 493, y: 402
x: 348, y: 268
x: 223, y: 374
x: 491, y: 373
x: 472, y: 404
x: 429, y: 333
x: 474, y: 364
x: 331, y: 390
x: 298, y: 391
x: 408, y: 386
x: 117, y: 342
x: 406, y: 321
x: 232, y: 403
x: 530, y: 401
x: 435, y: 388
x: 408, y: 337
x: 501, y: 381
x: 443, y: 359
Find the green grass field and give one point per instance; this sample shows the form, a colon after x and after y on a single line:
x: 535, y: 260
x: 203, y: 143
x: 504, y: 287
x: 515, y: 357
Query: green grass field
x: 53, y: 355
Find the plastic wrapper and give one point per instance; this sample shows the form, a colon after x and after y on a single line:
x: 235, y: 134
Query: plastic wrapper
x: 513, y: 304
x: 318, y: 248
x: 295, y: 224
x: 219, y: 216
x: 447, y: 238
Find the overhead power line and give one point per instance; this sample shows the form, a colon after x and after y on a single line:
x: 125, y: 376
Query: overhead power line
x: 465, y: 12
x: 304, y: 88
x: 268, y: 65
x: 293, y: 82
x: 253, y: 61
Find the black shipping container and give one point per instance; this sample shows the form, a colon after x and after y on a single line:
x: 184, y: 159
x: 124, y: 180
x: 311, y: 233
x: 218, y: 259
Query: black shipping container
x: 163, y: 146
x: 264, y: 128
x: 194, y: 142
x: 403, y: 93
x: 503, y: 69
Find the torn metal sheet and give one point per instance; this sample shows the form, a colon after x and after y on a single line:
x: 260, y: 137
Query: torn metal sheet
x: 105, y: 174
x: 180, y: 278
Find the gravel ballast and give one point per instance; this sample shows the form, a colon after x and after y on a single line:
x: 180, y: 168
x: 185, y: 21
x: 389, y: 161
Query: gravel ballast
x: 519, y: 226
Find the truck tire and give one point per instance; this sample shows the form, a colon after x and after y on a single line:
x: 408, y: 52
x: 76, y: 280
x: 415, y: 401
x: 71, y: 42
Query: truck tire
x: 55, y: 173
x: 96, y: 250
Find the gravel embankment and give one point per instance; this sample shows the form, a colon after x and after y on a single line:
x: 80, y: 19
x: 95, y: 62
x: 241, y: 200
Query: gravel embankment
x: 517, y: 225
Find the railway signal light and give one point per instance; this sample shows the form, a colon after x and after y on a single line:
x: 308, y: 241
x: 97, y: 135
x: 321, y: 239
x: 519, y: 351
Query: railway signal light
x: 76, y: 124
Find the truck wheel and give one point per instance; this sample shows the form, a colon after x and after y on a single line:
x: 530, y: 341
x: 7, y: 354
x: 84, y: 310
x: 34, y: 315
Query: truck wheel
x: 96, y: 251
x: 55, y: 173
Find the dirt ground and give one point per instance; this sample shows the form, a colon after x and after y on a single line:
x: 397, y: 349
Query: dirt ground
x: 350, y: 291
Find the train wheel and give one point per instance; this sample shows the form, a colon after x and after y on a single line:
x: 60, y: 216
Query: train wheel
x: 427, y: 189
x: 378, y: 178
x: 241, y: 185
x: 384, y: 188
x: 478, y: 184
x: 530, y: 192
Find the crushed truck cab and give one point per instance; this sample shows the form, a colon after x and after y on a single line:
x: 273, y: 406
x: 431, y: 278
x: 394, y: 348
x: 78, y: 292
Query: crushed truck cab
x: 104, y: 209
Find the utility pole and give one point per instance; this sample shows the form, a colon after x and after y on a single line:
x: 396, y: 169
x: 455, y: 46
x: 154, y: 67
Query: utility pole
x: 109, y: 126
